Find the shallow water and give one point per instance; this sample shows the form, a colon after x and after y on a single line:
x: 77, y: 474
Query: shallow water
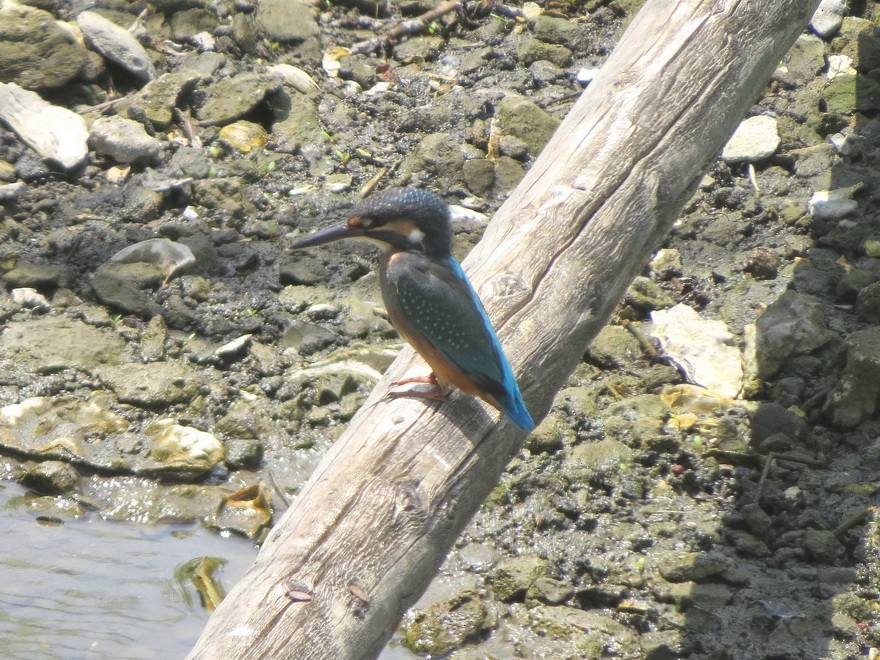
x: 98, y: 589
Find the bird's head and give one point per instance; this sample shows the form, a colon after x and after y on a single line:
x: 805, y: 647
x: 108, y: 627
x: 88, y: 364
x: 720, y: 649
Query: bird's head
x: 397, y: 220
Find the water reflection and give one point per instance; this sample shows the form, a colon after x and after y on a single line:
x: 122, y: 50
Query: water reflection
x: 98, y: 589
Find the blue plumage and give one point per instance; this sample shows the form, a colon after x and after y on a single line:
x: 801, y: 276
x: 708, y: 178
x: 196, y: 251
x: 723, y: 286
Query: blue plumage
x: 429, y: 298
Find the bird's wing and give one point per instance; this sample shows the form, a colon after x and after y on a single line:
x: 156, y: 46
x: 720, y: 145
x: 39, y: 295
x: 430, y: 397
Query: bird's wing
x: 440, y: 303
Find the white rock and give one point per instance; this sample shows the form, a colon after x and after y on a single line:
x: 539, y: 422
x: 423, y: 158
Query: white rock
x: 116, y: 44
x: 184, y: 446
x: 124, y: 140
x: 585, y: 76
x: 839, y: 65
x: 295, y: 77
x: 756, y: 139
x: 235, y: 346
x: 828, y: 17
x: 12, y: 190
x: 27, y: 297
x: 168, y: 256
x: 57, y: 134
x: 831, y: 204
x: 703, y: 349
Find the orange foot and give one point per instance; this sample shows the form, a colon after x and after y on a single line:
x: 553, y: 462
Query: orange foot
x: 436, y: 393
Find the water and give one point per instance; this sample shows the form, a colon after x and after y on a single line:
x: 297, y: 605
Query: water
x: 97, y: 589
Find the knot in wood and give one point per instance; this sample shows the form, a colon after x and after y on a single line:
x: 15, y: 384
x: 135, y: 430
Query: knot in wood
x: 510, y: 288
x: 409, y: 505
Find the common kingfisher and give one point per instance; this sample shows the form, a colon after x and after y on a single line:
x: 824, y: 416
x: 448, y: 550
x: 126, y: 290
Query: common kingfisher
x: 429, y: 299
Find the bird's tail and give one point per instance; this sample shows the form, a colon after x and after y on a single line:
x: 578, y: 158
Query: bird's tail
x: 515, y: 408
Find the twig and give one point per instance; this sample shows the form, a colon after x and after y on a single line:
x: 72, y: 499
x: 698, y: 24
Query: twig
x: 417, y: 24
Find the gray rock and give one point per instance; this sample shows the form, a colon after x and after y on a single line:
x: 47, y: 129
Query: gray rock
x: 12, y: 191
x: 771, y: 418
x: 52, y: 343
x: 755, y: 140
x: 286, y: 20
x: 549, y: 590
x: 243, y: 453
x: 38, y: 276
x: 447, y: 625
x: 690, y: 566
x: 231, y: 98
x: 419, y: 49
x: 124, y: 140
x: 185, y: 25
x: 114, y: 284
x: 116, y: 44
x: 822, y: 545
x: 647, y: 295
x: 437, y: 157
x: 868, y: 303
x: 556, y: 30
x: 855, y: 397
x: 35, y: 51
x: 296, y: 120
x: 152, y: 385
x: 55, y: 133
x: 523, y: 119
x: 792, y: 325
x: 51, y: 478
x: 534, y: 50
x: 514, y: 577
x: 803, y: 62
x: 307, y: 337
x: 828, y: 17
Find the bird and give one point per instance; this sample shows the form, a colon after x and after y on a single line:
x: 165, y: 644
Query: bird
x: 428, y: 297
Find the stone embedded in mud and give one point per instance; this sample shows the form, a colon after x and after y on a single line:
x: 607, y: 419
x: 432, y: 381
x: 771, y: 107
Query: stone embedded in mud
x: 116, y: 44
x: 447, y: 625
x: 124, y: 140
x: 855, y: 397
x: 522, y: 118
x: 755, y: 140
x: 36, y: 51
x: 152, y: 385
x: 183, y: 448
x: 51, y: 478
x: 690, y: 566
x: 231, y: 98
x: 55, y: 133
x: 703, y: 349
x: 513, y: 578
x: 792, y: 325
x: 286, y: 20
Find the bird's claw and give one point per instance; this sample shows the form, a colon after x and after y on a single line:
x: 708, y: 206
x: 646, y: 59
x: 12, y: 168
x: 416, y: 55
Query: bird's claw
x: 435, y: 393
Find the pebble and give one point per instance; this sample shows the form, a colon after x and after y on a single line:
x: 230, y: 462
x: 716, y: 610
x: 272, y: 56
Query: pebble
x: 31, y: 298
x: 55, y: 133
x: 12, y: 191
x: 831, y: 204
x: 116, y: 44
x: 586, y: 76
x: 828, y: 18
x: 124, y: 140
x: 755, y: 140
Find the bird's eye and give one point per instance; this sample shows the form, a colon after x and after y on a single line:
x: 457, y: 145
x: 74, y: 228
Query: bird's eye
x: 361, y: 222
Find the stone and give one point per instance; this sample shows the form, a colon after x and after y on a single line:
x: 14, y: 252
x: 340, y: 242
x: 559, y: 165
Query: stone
x: 755, y: 140
x: 555, y: 30
x: 855, y: 396
x: 116, y: 44
x: 828, y: 17
x: 115, y: 286
x: 704, y: 349
x: 533, y: 50
x: 54, y: 343
x: 286, y: 20
x: 183, y: 448
x: 513, y: 578
x: 522, y: 118
x: 231, y: 98
x: 792, y: 325
x: 803, y: 62
x: 36, y: 51
x: 446, y: 625
x: 151, y: 385
x: 847, y: 94
x: 822, y: 545
x: 55, y: 133
x: 646, y: 295
x: 51, y: 478
x: 868, y: 303
x: 676, y: 566
x: 44, y: 277
x: 124, y: 140
x: 185, y: 25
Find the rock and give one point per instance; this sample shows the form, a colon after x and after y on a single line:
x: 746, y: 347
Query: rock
x: 534, y: 50
x: 446, y: 625
x: 703, y: 349
x: 792, y: 325
x: 45, y: 277
x: 846, y: 94
x: 551, y: 435
x: 418, y: 49
x: 183, y: 448
x: 614, y: 346
x: 852, y: 283
x: 855, y: 396
x: 185, y: 25
x: 51, y: 344
x: 556, y: 30
x: 56, y: 134
x: 116, y: 44
x: 51, y: 478
x: 646, y: 295
x: 437, y: 156
x: 297, y: 78
x: 152, y: 385
x: 822, y: 545
x: 296, y: 121
x: 246, y: 512
x: 833, y: 204
x: 12, y: 191
x: 520, y: 117
x: 124, y: 140
x: 36, y: 51
x: 231, y: 98
x: 30, y: 298
x: 762, y: 263
x: 868, y: 303
x: 690, y: 566
x: 803, y: 62
x: 667, y: 264
x: 168, y: 257
x: 114, y: 286
x: 513, y: 578
x: 243, y: 453
x: 286, y: 20
x: 771, y: 419
x: 549, y: 591
x: 755, y: 140
x: 828, y: 17
x: 307, y: 337
x: 160, y: 96
x: 244, y: 136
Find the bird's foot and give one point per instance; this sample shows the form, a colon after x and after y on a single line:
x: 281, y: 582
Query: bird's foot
x: 435, y: 393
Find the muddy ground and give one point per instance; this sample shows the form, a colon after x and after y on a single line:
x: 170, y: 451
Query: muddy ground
x: 645, y: 517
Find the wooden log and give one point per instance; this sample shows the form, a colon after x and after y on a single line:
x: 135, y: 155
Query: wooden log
x: 372, y: 525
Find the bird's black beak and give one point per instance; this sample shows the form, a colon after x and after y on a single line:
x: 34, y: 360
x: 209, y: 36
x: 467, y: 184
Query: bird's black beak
x: 328, y: 235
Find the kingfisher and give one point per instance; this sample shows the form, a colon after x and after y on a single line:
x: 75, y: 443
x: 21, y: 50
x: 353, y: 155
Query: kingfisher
x: 429, y: 299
